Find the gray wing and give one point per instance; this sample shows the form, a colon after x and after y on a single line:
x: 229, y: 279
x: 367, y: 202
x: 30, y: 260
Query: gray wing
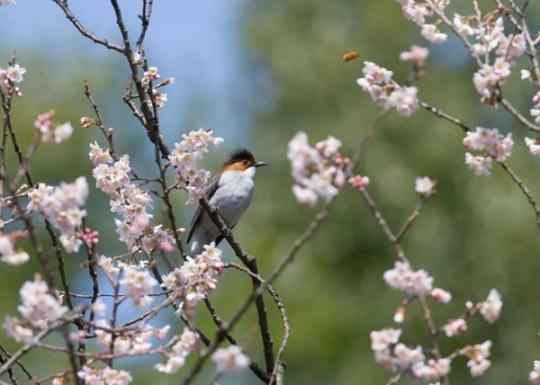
x: 210, y: 191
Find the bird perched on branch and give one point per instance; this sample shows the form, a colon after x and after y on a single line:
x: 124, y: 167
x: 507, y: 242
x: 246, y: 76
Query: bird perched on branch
x: 230, y: 194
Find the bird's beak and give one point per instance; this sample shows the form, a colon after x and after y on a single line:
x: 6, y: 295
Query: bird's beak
x: 260, y: 164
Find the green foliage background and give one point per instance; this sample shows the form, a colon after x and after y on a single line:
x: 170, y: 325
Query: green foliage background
x: 475, y: 234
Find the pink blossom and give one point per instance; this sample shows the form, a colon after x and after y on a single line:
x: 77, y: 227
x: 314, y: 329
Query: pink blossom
x: 455, y: 327
x: 176, y: 357
x: 479, y: 165
x: 533, y: 145
x: 104, y: 376
x: 441, y: 295
x: 382, y: 339
x: 359, y: 182
x: 406, y: 357
x: 403, y: 278
x: 491, y: 307
x: 432, y: 369
x: 230, y: 359
x: 415, y: 55
x: 432, y: 33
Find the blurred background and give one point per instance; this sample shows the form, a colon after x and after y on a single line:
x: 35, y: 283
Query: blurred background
x: 257, y: 72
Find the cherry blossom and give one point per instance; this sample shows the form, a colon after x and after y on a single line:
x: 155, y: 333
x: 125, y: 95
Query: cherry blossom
x: 425, y: 186
x: 415, y: 55
x: 440, y: 295
x: 230, y: 359
x: 105, y: 376
x: 185, y: 157
x: 8, y: 254
x: 176, y: 357
x: 319, y: 171
x: 377, y: 82
x: 62, y: 206
x: 478, y: 358
x: 491, y: 307
x: 403, y: 278
x: 533, y: 145
x: 455, y: 327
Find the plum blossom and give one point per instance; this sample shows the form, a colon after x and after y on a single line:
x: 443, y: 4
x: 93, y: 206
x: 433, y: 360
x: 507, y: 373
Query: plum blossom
x: 185, y: 157
x: 176, y: 357
x: 534, y: 375
x: 377, y: 82
x: 104, y: 376
x: 425, y: 186
x: 230, y: 359
x: 318, y: 171
x: 491, y: 307
x: 403, y: 278
x: 62, y: 206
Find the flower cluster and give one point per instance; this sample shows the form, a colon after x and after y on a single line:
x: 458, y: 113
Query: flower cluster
x: 418, y: 12
x: 318, y: 172
x: 136, y: 340
x: 196, y: 278
x: 39, y: 308
x: 415, y: 55
x: 8, y: 254
x: 185, y: 157
x: 377, y: 82
x: 128, y: 201
x: 176, y: 356
x: 230, y: 359
x: 533, y: 145
x: 105, y: 376
x: 136, y: 279
x: 49, y: 132
x: 138, y: 282
x: 489, y: 145
x: 62, y: 206
x: 489, y: 37
x: 423, y: 363
x: 150, y: 75
x: 11, y: 75
x: 412, y: 282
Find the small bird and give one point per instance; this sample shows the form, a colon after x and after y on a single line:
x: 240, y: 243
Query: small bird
x: 230, y: 194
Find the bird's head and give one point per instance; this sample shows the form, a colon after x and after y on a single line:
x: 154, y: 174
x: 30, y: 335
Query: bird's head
x: 242, y: 160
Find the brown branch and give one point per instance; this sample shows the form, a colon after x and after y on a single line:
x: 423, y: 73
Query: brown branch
x: 83, y: 31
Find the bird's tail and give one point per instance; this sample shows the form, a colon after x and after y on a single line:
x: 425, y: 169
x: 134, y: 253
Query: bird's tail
x: 198, y: 241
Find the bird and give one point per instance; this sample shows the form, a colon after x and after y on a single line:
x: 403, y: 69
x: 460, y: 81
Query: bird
x: 230, y: 194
